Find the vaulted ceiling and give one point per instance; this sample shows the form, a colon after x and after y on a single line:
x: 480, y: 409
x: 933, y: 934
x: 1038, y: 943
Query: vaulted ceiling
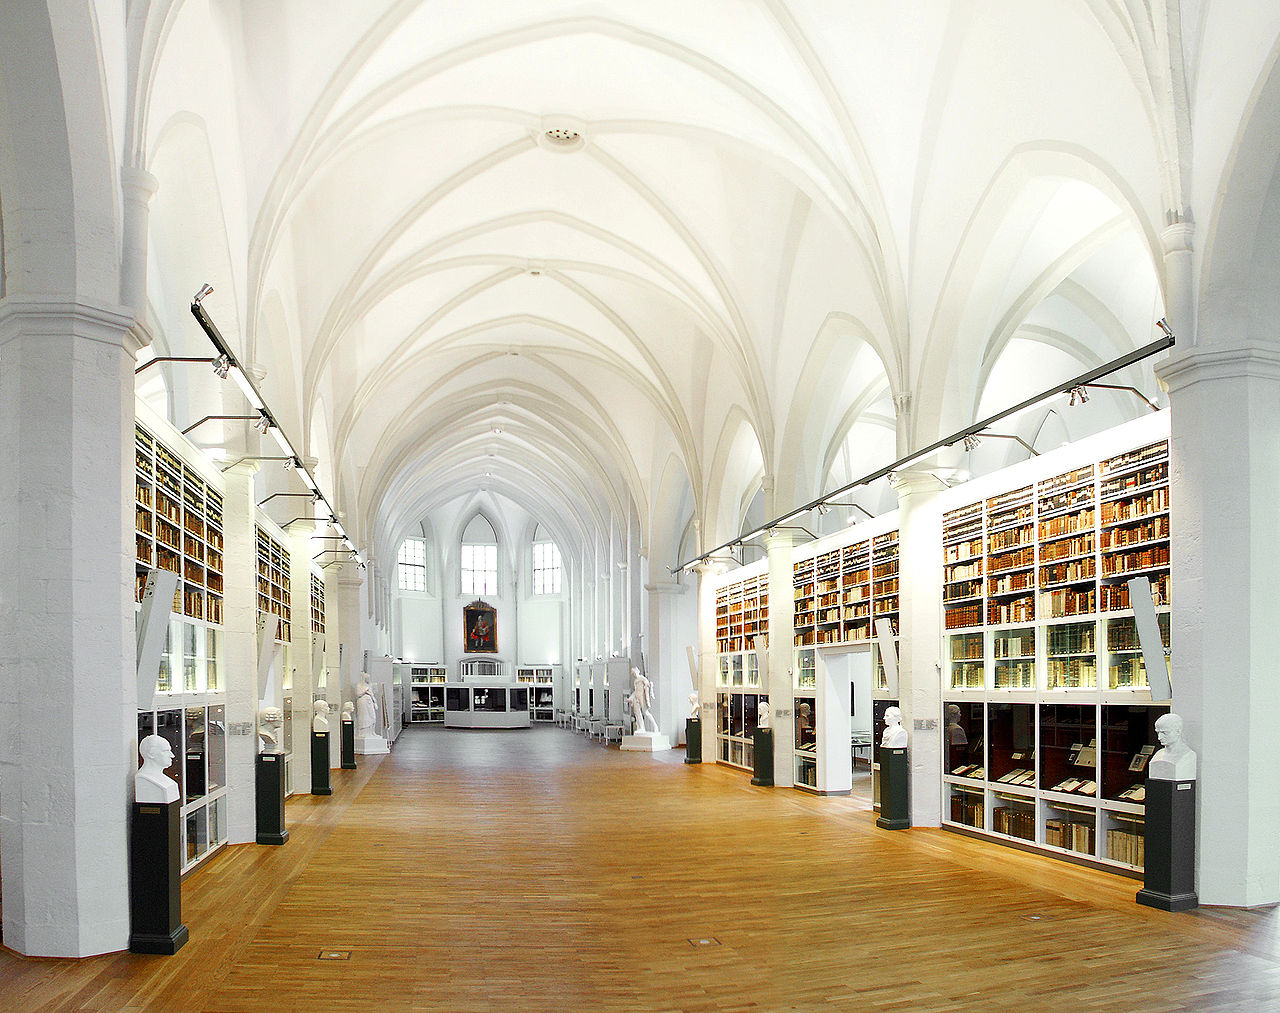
x: 619, y: 260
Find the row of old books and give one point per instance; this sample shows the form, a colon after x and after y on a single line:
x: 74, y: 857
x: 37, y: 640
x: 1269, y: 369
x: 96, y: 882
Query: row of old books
x: 1070, y: 836
x: 1125, y: 846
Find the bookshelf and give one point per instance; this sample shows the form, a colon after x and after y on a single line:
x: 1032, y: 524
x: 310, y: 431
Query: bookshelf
x: 739, y: 697
x: 273, y: 583
x: 841, y: 592
x: 541, y: 681
x: 426, y: 694
x: 1048, y: 720
x: 178, y: 526
x: 317, y: 606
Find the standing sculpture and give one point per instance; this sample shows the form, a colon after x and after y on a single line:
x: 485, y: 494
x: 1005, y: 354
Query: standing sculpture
x: 367, y: 738
x: 641, y: 701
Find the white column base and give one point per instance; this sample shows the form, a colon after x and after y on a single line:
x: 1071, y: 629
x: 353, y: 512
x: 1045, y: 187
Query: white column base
x: 371, y: 745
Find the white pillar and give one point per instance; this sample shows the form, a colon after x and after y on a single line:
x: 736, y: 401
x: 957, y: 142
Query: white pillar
x: 707, y: 659
x: 782, y: 635
x: 68, y: 693
x: 304, y: 678
x: 1225, y: 628
x: 668, y: 661
x: 348, y: 583
x: 240, y: 646
x: 920, y: 646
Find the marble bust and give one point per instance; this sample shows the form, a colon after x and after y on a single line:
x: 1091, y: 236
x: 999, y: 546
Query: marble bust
x: 320, y: 723
x: 152, y: 784
x: 694, y: 709
x: 895, y: 736
x: 270, y: 721
x: 762, y: 714
x: 349, y: 712
x: 1174, y: 760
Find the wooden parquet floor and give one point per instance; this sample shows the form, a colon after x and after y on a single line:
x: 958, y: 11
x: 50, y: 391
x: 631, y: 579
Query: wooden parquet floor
x: 537, y: 871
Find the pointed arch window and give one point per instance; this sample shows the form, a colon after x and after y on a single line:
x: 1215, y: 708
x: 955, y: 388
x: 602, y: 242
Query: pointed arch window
x: 547, y: 569
x: 479, y: 558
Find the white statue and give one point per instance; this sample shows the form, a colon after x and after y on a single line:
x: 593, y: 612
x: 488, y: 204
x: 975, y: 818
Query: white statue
x: 1174, y: 761
x: 366, y: 708
x: 321, y: 721
x: 349, y: 711
x: 695, y: 710
x: 641, y: 700
x: 152, y: 784
x: 895, y: 736
x: 270, y: 721
x: 762, y: 714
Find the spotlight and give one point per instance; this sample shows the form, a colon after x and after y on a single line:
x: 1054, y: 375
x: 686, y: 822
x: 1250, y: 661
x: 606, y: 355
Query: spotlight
x: 1078, y: 396
x: 222, y: 366
x: 972, y: 443
x: 823, y: 509
x: 1163, y: 324
x: 290, y: 464
x: 205, y: 290
x: 263, y: 423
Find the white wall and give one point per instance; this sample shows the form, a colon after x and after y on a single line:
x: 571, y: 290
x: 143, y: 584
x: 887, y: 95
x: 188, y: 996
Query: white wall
x: 420, y: 633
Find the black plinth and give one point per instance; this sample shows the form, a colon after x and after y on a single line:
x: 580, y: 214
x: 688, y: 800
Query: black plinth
x: 155, y: 879
x: 692, y: 740
x: 1169, y: 870
x: 270, y: 779
x: 893, y: 790
x: 762, y: 750
x: 320, y: 764
x: 348, y: 745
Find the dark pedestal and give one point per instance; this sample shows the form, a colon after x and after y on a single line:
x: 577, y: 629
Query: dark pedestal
x: 320, y: 764
x: 348, y: 745
x: 762, y: 752
x: 1170, y: 864
x: 155, y: 879
x: 893, y: 790
x: 692, y: 740
x: 270, y: 781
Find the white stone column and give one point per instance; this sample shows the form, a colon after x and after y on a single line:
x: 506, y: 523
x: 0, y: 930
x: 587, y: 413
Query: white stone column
x: 668, y: 661
x: 304, y: 679
x: 708, y: 662
x: 782, y: 635
x: 68, y: 691
x: 240, y: 647
x: 349, y: 582
x: 920, y: 646
x: 1225, y: 626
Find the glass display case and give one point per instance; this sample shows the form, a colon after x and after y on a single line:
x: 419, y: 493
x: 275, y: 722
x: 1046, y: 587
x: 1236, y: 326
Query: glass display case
x: 806, y: 757
x: 1128, y: 743
x: 197, y: 735
x: 738, y: 702
x: 963, y: 739
x: 1126, y: 668
x: 488, y: 699
x: 1069, y: 749
x: 1011, y: 751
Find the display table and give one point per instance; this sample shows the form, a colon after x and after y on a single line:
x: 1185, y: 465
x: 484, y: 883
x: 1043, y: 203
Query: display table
x: 486, y: 705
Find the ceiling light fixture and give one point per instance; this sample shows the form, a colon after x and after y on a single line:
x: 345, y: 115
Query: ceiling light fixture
x: 263, y: 423
x: 221, y: 366
x: 972, y: 443
x: 1078, y: 396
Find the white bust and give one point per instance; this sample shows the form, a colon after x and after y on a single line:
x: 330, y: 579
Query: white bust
x: 270, y: 721
x: 694, y: 710
x: 1174, y: 761
x: 320, y: 723
x: 348, y: 711
x: 762, y: 714
x: 895, y: 736
x: 151, y: 784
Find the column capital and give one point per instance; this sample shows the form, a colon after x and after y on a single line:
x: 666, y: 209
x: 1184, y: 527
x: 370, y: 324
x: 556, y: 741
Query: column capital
x: 1178, y: 237
x: 776, y: 540
x: 916, y: 483
x: 664, y: 587
x: 1199, y: 365
x: 107, y: 323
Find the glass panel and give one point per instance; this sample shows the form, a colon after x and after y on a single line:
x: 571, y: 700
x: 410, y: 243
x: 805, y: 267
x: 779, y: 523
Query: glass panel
x: 735, y: 714
x: 457, y: 698
x: 164, y: 681
x: 1126, y: 669
x: 288, y: 724
x: 197, y: 833
x: 146, y: 726
x: 216, y: 746
x: 964, y: 742
x: 169, y: 727
x: 966, y: 653
x: 489, y: 699
x: 807, y: 771
x: 1014, y: 651
x: 1073, y: 657
x: 806, y: 714
x: 722, y: 710
x: 190, y: 651
x: 217, y: 821
x: 1128, y: 743
x: 519, y: 699
x: 806, y: 676
x: 750, y: 713
x: 724, y: 670
x: 1012, y: 731
x: 878, y: 707
x: 736, y: 669
x: 1069, y: 749
x: 213, y: 641
x: 195, y: 750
